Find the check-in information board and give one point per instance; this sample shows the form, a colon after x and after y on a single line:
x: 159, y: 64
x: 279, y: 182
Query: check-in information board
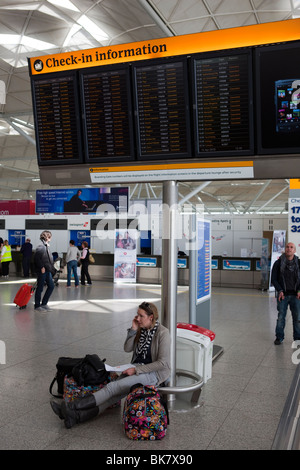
x: 194, y: 98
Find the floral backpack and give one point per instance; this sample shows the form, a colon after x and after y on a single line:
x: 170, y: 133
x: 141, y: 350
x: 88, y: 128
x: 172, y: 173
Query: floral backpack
x: 145, y: 414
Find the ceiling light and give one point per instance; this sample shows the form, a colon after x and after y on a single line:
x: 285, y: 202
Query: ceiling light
x: 9, y: 41
x: 17, y: 63
x: 64, y: 4
x: 75, y: 28
x: 92, y: 28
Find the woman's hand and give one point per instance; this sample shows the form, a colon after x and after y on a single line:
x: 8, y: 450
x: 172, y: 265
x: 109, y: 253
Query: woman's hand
x: 130, y: 371
x: 135, y: 323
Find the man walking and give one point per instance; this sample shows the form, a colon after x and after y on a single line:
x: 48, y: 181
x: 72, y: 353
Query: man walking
x: 285, y: 278
x: 43, y: 261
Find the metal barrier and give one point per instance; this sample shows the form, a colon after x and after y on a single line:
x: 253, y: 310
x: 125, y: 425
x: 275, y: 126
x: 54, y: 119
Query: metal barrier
x: 288, y: 432
x: 194, y: 387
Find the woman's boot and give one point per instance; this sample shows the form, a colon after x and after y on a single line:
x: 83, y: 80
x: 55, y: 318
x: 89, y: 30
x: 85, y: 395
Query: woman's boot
x: 79, y: 411
x: 57, y: 409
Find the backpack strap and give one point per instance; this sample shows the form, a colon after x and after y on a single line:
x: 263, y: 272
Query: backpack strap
x: 50, y: 389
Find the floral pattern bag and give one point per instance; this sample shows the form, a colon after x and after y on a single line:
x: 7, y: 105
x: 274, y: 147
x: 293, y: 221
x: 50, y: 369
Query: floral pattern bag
x: 145, y: 416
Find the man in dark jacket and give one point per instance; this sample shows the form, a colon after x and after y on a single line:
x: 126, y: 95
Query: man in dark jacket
x: 285, y: 278
x: 43, y: 261
x: 26, y: 250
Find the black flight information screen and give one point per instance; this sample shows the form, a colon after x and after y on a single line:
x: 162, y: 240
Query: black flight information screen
x: 222, y: 94
x: 57, y: 119
x: 161, y: 110
x: 107, y: 115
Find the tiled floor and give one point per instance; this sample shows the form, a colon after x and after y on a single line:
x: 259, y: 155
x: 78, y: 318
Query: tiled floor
x: 239, y: 407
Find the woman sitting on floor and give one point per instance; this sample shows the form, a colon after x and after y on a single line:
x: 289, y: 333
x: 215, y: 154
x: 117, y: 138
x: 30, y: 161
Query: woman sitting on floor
x: 150, y: 343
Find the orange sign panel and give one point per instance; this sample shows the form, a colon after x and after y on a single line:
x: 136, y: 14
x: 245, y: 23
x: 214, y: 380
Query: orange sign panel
x: 244, y: 36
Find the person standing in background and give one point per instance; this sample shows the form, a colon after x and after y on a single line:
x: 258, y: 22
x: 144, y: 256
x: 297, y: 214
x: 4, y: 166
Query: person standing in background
x: 72, y: 258
x: 285, y: 277
x: 5, y: 258
x: 1, y: 246
x: 85, y: 264
x: 26, y: 250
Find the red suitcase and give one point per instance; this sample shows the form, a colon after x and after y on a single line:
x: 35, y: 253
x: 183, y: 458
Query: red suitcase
x: 23, y: 295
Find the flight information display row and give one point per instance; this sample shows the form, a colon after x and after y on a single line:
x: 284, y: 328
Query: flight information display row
x: 169, y: 108
x: 161, y: 103
x: 107, y: 115
x: 223, y: 97
x: 56, y: 120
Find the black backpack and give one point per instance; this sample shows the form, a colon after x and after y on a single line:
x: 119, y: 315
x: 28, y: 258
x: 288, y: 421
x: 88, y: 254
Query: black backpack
x: 64, y: 367
x: 89, y: 370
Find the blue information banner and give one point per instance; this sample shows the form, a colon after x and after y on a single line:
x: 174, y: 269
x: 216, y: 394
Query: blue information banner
x: 16, y: 237
x: 203, y: 260
x: 79, y: 236
x: 78, y: 200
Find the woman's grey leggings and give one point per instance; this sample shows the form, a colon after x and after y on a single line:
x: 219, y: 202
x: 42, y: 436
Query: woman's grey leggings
x: 115, y: 391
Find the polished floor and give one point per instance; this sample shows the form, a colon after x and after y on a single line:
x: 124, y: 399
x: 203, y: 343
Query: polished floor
x: 239, y: 407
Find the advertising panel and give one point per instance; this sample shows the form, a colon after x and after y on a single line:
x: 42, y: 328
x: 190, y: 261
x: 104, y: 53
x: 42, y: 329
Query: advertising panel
x: 78, y: 200
x: 125, y: 255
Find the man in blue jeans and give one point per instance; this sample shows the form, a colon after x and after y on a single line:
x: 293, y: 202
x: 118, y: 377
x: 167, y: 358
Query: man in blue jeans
x: 285, y: 278
x: 43, y: 261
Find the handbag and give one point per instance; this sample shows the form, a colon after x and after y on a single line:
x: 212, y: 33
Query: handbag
x: 91, y: 259
x: 64, y: 368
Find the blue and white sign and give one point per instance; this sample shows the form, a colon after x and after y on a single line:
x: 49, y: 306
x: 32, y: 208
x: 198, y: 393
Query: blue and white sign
x: 214, y: 264
x: 203, y: 260
x: 82, y: 200
x: 149, y: 262
x: 181, y: 263
x: 16, y: 237
x: 236, y: 265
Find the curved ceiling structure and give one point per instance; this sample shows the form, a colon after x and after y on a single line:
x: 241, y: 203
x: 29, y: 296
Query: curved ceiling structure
x: 38, y: 27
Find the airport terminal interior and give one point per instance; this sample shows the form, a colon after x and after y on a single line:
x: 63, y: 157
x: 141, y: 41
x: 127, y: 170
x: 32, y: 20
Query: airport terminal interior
x: 239, y: 407
x: 251, y: 399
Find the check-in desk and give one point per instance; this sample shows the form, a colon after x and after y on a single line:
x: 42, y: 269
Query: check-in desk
x: 226, y: 272
x: 148, y: 269
x: 236, y: 272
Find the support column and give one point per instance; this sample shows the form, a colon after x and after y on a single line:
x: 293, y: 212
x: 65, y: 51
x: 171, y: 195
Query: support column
x: 169, y: 269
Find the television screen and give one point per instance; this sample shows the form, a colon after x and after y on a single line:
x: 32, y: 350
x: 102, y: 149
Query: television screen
x: 278, y: 98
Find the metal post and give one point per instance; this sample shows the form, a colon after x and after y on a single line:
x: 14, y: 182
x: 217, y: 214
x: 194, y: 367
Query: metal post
x: 169, y: 269
x: 192, y: 269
